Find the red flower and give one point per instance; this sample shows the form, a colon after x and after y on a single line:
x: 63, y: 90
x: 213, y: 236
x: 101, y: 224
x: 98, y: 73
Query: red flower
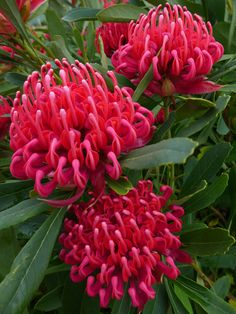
x: 113, y: 36
x: 5, y: 120
x: 74, y: 130
x: 25, y: 7
x: 179, y: 46
x: 124, y: 239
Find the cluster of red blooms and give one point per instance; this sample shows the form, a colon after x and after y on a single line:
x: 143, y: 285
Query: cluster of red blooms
x: 113, y: 35
x: 74, y: 131
x: 178, y: 45
x: 124, y: 239
x: 68, y: 131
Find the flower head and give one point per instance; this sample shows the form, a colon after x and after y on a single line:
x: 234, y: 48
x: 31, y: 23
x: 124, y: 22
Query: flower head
x: 5, y: 120
x: 25, y: 8
x: 113, y: 36
x: 178, y: 45
x: 73, y: 130
x: 124, y: 239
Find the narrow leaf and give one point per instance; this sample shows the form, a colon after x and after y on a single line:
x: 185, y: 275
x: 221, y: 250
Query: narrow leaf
x: 21, y: 212
x: 50, y: 301
x: 207, y: 196
x: 29, y: 266
x: 122, y: 306
x: 222, y: 286
x: 11, y: 192
x: 159, y: 134
x: 206, y: 167
x: 174, y: 300
x: 143, y: 84
x: 204, y: 242
x: 55, y: 25
x: 160, y: 304
x: 120, y: 13
x: 175, y: 150
x: 204, y: 120
x: 121, y: 186
x: 209, y: 301
x: 81, y: 14
x: 9, y: 249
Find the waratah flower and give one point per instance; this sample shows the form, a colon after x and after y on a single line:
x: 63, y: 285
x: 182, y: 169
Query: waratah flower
x: 113, y: 36
x: 5, y: 120
x: 118, y: 240
x: 73, y: 129
x: 25, y: 8
x: 178, y: 45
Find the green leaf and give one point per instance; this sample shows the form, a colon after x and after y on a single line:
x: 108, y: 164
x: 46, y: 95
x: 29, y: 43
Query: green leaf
x: 121, y: 186
x: 159, y: 134
x: 184, y: 299
x: 174, y: 300
x: 9, y: 249
x: 59, y: 48
x: 11, y: 11
x: 122, y: 306
x: 120, y: 13
x: 12, y: 192
x: 160, y: 304
x: 232, y: 197
x: 222, y: 286
x: 29, y: 266
x: 90, y: 41
x: 17, y: 79
x: 210, y: 302
x: 193, y: 108
x: 207, y: 196
x: 21, y: 212
x: 222, y: 127
x: 207, y: 167
x: 175, y: 150
x: 227, y: 260
x: 89, y: 305
x: 216, y: 9
x: 201, y: 187
x: 81, y: 14
x: 197, y: 102
x: 143, y: 84
x: 55, y: 25
x: 204, y: 120
x: 231, y: 88
x: 193, y: 226
x: 50, y: 301
x: 57, y: 269
x: 72, y: 296
x: 207, y: 241
x: 7, y: 89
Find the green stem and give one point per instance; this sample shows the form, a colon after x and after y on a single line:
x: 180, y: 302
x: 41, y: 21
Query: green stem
x: 201, y: 273
x: 171, y: 167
